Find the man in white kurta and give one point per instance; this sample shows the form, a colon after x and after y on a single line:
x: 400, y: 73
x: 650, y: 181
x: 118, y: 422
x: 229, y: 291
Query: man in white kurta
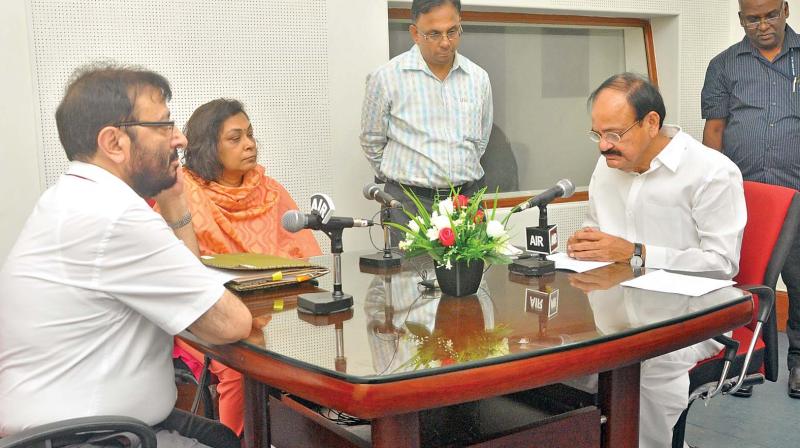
x: 659, y: 198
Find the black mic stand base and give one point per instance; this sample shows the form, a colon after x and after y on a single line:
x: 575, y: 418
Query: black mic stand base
x: 324, y: 303
x: 534, y: 267
x: 380, y: 260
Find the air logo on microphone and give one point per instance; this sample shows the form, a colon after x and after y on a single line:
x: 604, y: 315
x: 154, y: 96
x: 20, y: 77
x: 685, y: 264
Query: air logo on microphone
x: 541, y: 302
x: 322, y: 204
x: 542, y: 240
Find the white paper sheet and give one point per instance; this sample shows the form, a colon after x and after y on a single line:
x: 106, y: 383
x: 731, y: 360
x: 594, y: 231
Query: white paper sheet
x: 689, y: 285
x: 563, y: 261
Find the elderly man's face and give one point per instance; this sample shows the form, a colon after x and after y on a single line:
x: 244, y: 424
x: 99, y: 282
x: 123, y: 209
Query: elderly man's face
x: 611, y: 113
x: 764, y: 22
x: 437, y: 24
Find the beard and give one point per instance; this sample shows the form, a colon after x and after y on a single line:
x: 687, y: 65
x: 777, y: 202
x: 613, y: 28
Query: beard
x: 152, y: 171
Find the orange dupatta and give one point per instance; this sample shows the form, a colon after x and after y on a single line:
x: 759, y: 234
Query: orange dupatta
x: 245, y: 218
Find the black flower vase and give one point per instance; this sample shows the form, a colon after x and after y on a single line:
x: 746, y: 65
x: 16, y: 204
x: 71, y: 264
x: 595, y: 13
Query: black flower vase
x: 462, y: 279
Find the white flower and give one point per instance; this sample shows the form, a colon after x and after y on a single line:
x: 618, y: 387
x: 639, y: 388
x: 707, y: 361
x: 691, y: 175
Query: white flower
x: 440, y: 222
x: 458, y: 222
x: 446, y: 207
x: 432, y: 234
x: 448, y: 265
x: 405, y: 244
x: 495, y: 229
x: 413, y: 226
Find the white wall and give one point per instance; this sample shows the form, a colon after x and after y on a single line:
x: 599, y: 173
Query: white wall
x: 357, y: 46
x: 19, y: 160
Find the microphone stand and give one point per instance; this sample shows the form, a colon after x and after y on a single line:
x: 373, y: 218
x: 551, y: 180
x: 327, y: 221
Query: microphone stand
x: 541, y: 263
x: 385, y: 258
x: 538, y: 265
x: 329, y: 302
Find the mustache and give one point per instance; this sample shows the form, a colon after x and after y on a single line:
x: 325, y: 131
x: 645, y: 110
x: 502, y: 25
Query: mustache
x: 611, y: 152
x: 174, y: 156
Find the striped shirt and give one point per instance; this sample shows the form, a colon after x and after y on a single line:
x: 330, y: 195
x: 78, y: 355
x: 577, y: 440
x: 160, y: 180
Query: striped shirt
x: 419, y: 130
x: 762, y: 134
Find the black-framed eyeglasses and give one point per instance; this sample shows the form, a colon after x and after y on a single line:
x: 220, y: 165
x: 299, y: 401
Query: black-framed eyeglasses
x: 166, y: 125
x: 611, y: 137
x: 772, y: 18
x: 436, y: 37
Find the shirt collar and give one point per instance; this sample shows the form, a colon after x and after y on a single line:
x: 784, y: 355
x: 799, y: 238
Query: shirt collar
x: 97, y: 174
x: 415, y: 61
x: 671, y: 155
x: 790, y: 40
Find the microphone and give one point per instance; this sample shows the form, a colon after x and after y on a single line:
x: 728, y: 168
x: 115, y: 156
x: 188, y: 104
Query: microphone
x: 563, y: 188
x: 294, y: 221
x: 374, y: 192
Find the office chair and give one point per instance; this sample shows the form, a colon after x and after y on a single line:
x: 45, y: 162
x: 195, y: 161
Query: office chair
x: 78, y: 430
x: 773, y: 214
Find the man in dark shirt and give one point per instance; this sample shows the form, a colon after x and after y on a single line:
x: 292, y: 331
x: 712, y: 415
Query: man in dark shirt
x: 751, y: 104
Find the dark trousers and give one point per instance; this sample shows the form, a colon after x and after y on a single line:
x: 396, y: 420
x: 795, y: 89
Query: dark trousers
x: 426, y: 197
x: 791, y: 276
x: 208, y: 432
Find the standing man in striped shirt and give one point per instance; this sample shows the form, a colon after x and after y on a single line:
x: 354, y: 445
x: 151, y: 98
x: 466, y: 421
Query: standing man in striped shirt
x: 751, y: 103
x: 427, y: 113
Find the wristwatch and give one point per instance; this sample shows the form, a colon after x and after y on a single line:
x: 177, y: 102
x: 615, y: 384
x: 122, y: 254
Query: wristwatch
x: 636, y: 260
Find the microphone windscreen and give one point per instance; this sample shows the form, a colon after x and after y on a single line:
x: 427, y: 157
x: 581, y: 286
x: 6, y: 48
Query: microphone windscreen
x: 293, y: 221
x: 567, y: 186
x: 368, y: 189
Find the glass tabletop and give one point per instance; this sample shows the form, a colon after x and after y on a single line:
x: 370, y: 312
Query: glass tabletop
x: 399, y: 329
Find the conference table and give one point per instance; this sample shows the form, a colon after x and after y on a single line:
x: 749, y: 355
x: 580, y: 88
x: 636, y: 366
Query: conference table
x: 511, y: 365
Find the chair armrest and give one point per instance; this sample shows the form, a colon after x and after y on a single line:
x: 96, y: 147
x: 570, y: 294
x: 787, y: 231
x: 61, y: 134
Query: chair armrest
x: 766, y: 300
x: 731, y: 347
x: 106, y: 424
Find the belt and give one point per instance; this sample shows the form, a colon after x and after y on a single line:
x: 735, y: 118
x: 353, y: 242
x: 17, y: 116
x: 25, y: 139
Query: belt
x: 432, y: 193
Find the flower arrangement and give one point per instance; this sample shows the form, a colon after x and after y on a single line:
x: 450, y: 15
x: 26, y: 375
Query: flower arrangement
x: 456, y: 229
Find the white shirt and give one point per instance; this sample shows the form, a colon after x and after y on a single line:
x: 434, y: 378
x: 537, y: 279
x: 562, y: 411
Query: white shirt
x: 90, y: 296
x: 688, y: 209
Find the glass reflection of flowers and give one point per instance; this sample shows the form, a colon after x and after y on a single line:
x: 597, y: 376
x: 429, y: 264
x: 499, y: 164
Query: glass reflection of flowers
x: 456, y: 229
x: 439, y: 349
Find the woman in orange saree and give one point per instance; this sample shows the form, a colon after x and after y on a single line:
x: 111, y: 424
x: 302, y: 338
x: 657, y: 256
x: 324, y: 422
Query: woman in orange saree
x: 235, y: 207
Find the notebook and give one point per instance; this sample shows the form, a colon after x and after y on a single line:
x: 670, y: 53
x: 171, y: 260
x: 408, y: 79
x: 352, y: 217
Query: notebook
x: 249, y: 271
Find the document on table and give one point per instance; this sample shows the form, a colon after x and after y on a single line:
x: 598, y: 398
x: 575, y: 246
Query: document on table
x: 563, y: 261
x: 689, y: 285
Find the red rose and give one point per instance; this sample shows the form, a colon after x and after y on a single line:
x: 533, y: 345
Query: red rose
x: 447, y: 237
x: 460, y: 201
x: 478, y: 218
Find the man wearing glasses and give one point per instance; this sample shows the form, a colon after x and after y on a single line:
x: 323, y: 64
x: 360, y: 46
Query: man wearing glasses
x: 97, y: 283
x: 659, y: 198
x: 751, y: 103
x: 427, y: 113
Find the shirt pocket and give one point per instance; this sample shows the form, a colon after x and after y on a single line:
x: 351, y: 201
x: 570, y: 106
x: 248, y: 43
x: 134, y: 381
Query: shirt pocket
x: 469, y: 120
x: 666, y: 224
x: 794, y: 101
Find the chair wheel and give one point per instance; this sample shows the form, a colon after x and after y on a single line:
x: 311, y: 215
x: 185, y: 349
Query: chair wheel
x: 744, y: 392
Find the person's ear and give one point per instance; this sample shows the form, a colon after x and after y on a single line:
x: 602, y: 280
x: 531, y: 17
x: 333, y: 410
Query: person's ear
x: 785, y: 10
x: 652, y: 119
x: 414, y: 33
x: 114, y: 144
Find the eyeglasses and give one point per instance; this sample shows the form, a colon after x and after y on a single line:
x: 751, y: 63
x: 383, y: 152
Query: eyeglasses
x: 772, y: 18
x: 611, y: 137
x: 436, y: 37
x: 165, y: 125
